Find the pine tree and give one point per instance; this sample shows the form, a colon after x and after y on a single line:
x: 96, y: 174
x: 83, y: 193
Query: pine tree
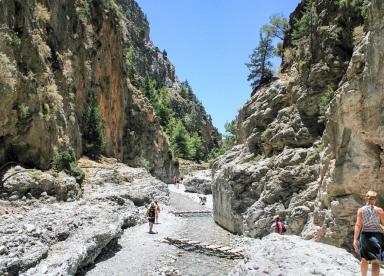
x: 260, y: 64
x: 196, y: 147
x: 93, y: 138
x: 181, y: 141
x: 305, y: 27
x: 277, y: 27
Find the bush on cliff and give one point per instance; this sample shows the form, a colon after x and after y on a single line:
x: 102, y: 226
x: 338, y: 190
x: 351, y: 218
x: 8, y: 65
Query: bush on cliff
x: 93, y: 138
x: 7, y: 74
x: 66, y: 161
x: 324, y: 103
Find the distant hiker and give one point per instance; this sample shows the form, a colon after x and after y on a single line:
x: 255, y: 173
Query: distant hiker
x: 368, y: 239
x: 278, y: 226
x: 203, y: 200
x: 177, y: 181
x: 151, y: 215
x: 157, y: 212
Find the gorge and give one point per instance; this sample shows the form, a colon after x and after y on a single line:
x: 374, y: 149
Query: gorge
x: 96, y: 124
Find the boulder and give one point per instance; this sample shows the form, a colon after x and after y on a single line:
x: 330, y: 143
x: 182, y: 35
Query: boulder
x: 198, y: 182
x: 278, y: 255
x: 20, y: 182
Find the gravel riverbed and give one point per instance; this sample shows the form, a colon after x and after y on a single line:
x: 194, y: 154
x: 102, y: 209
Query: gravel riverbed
x: 140, y: 253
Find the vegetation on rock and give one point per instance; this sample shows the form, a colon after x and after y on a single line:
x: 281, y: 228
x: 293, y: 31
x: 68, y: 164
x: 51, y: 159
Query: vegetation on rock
x: 7, y: 74
x: 182, y: 127
x: 260, y: 65
x: 66, y: 161
x: 324, y: 103
x: 93, y: 138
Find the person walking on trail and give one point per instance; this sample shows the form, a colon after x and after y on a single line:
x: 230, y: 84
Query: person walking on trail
x: 278, y: 226
x: 157, y: 212
x: 176, y: 180
x: 151, y: 215
x: 368, y: 238
x: 203, y: 199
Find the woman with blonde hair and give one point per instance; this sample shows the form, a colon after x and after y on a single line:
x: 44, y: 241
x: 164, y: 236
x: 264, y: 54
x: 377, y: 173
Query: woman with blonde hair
x: 368, y: 238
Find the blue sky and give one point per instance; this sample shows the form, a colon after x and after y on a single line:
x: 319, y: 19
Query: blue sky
x: 209, y: 41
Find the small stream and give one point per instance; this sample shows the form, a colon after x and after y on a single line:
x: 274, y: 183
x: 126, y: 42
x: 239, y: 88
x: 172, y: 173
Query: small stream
x: 140, y: 253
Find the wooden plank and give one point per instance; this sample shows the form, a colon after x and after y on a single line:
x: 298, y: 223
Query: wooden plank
x: 222, y: 251
x: 214, y: 246
x: 237, y: 250
x: 225, y: 248
x: 193, y: 242
x: 184, y: 240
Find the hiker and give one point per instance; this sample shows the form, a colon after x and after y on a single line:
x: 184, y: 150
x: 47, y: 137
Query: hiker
x: 203, y: 200
x: 151, y: 215
x: 157, y: 212
x: 278, y: 226
x: 176, y: 180
x: 368, y: 238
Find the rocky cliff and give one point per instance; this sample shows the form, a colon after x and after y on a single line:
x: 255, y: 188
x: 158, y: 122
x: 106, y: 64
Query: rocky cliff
x: 270, y: 256
x: 54, y: 54
x: 285, y: 162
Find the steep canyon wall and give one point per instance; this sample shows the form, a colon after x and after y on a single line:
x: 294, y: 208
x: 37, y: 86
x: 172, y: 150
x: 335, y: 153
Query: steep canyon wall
x: 310, y: 168
x: 54, y: 54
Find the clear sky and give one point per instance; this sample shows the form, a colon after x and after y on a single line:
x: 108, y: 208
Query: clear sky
x: 209, y: 41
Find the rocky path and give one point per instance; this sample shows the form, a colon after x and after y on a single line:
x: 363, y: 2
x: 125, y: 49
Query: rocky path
x: 140, y: 253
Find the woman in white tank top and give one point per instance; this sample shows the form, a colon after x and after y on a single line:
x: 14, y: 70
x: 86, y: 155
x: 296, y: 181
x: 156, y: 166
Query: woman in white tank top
x: 369, y: 235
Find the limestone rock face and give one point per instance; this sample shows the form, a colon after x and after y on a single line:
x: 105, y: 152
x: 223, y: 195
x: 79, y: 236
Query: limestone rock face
x: 198, y: 182
x: 285, y: 163
x: 290, y: 255
x: 247, y: 194
x: 53, y: 54
x: 353, y: 140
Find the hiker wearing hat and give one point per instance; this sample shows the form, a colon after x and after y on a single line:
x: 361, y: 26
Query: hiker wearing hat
x: 278, y: 225
x: 368, y: 238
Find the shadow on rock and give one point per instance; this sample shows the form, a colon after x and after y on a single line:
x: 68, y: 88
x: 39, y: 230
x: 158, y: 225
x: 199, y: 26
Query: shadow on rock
x: 108, y: 252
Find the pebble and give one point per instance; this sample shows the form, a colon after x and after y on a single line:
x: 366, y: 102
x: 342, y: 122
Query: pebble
x: 3, y: 250
x: 14, y: 197
x: 44, y: 194
x: 29, y: 227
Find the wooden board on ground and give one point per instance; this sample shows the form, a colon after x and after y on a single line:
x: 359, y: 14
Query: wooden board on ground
x: 219, y: 250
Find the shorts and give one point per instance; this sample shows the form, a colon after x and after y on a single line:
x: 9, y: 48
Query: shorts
x: 371, y: 246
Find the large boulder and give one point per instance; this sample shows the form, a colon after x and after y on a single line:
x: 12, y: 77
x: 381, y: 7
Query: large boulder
x: 198, y: 182
x: 278, y: 255
x: 21, y: 182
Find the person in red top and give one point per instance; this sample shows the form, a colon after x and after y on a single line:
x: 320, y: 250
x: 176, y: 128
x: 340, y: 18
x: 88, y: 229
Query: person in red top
x: 278, y: 226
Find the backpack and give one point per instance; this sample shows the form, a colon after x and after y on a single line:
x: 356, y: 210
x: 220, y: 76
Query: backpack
x: 151, y: 212
x: 283, y: 228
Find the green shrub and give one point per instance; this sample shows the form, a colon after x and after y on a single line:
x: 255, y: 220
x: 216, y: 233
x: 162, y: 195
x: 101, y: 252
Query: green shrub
x: 7, y: 74
x: 76, y: 172
x: 15, y: 39
x: 256, y: 159
x: 66, y: 161
x: 324, y: 102
x: 23, y: 111
x: 93, y: 138
x: 83, y: 10
x: 364, y: 8
x: 266, y: 134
